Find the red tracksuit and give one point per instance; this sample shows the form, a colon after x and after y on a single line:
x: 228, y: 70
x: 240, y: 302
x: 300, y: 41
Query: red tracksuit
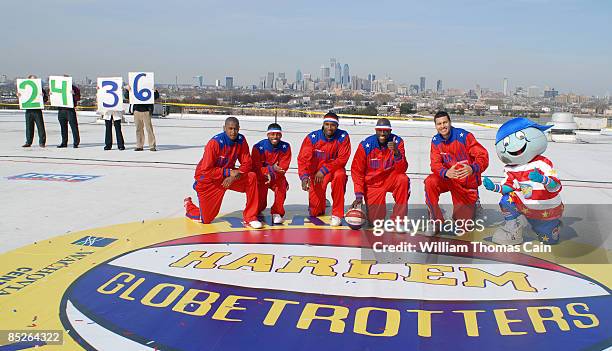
x: 376, y: 171
x: 264, y: 156
x: 219, y: 158
x: 330, y: 157
x: 461, y: 147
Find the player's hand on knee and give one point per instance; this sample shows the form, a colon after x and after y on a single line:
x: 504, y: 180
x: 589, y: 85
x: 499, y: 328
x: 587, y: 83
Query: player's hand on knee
x: 277, y: 168
x: 306, y: 184
x: 488, y: 184
x: 358, y: 202
x: 268, y: 179
x: 319, y: 177
x: 227, y: 182
x: 235, y: 173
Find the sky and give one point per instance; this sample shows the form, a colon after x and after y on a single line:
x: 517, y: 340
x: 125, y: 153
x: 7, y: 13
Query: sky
x: 562, y: 44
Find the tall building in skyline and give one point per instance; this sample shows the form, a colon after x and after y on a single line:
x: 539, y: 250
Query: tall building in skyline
x: 332, y: 67
x: 338, y: 73
x: 324, y: 73
x: 199, y: 81
x: 298, y: 76
x: 346, y: 75
x: 229, y: 82
x: 422, y: 84
x: 439, y: 86
x: 505, y: 87
x: 269, y: 80
x: 218, y: 83
x: 371, y: 77
x: 534, y: 91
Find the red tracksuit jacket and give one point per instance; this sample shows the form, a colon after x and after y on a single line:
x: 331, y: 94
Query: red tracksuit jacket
x: 319, y: 153
x: 265, y: 155
x: 220, y: 157
x: 373, y: 163
x: 461, y: 147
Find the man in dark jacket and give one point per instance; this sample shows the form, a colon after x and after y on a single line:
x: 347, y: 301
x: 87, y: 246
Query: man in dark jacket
x: 67, y: 115
x: 33, y: 117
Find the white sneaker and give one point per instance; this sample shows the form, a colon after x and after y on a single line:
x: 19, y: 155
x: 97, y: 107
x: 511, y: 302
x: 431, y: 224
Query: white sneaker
x: 277, y: 219
x: 335, y: 221
x: 255, y: 224
x: 510, y: 234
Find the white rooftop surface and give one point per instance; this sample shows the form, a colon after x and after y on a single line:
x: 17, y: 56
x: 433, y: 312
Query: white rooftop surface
x: 136, y: 186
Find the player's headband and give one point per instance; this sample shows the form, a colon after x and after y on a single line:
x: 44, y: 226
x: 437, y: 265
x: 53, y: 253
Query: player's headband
x: 275, y: 130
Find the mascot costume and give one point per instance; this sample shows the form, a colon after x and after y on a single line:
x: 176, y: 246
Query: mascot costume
x: 530, y: 187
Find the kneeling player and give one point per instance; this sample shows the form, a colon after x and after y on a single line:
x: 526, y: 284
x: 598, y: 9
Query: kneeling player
x: 271, y: 159
x: 322, y: 158
x: 216, y: 173
x: 379, y: 167
x: 457, y: 161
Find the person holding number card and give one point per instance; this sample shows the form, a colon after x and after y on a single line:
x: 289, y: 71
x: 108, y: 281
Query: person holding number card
x: 35, y: 117
x: 67, y: 115
x: 142, y: 120
x: 114, y: 118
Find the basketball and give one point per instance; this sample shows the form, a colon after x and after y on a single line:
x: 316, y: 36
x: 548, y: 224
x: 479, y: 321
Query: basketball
x: 355, y: 218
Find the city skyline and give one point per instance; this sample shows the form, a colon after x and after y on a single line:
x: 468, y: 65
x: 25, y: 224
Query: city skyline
x: 460, y: 44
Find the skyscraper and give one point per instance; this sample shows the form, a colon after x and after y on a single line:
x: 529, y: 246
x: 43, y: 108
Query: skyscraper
x: 422, y: 85
x: 439, y: 86
x: 229, y: 82
x: 332, y: 67
x: 270, y: 80
x: 324, y: 73
x: 534, y: 91
x: 338, y: 73
x: 298, y: 76
x: 371, y: 77
x: 346, y: 75
x: 199, y: 81
x: 505, y: 87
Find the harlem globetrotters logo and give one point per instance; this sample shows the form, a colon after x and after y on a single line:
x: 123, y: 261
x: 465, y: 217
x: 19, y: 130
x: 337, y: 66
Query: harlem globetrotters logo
x: 311, y: 288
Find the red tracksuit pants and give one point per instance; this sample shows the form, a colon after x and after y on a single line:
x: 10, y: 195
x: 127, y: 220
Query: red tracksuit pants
x: 464, y: 198
x: 210, y: 197
x: 316, y: 194
x: 375, y: 197
x: 279, y: 186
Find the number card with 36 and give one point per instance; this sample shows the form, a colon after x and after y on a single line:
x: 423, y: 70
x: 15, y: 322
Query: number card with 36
x: 60, y: 91
x: 110, y: 94
x: 142, y: 87
x: 30, y: 94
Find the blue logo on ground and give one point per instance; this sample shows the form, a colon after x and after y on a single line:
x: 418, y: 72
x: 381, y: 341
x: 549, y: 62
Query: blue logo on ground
x: 70, y: 178
x: 304, y: 286
x: 95, y: 241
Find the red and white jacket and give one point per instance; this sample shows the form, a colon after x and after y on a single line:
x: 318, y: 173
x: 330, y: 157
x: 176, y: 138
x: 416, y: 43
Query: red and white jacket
x: 265, y: 155
x: 532, y: 198
x: 318, y: 153
x: 220, y: 156
x: 374, y: 163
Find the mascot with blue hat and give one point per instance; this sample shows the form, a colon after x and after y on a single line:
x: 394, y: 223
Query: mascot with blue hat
x: 531, y: 187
